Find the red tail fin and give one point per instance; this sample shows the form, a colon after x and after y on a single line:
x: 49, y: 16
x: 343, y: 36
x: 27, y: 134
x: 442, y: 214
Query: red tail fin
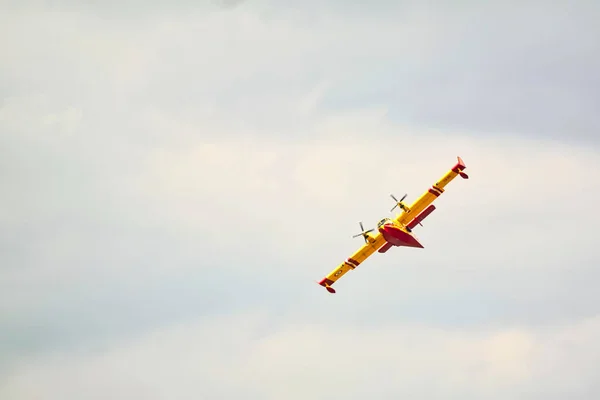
x: 459, y: 167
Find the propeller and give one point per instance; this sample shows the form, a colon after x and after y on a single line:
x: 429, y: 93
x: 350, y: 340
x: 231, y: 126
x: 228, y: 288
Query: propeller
x: 398, y: 202
x: 363, y: 233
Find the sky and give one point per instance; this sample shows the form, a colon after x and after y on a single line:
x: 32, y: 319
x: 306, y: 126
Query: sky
x: 175, y: 176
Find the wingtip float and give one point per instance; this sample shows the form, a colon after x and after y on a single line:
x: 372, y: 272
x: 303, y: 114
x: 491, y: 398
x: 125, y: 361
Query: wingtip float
x: 396, y: 232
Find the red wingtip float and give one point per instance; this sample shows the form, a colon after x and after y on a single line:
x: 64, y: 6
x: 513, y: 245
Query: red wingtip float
x: 396, y: 232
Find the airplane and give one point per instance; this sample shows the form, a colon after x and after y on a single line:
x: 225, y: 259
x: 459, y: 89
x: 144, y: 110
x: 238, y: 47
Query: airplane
x: 396, y: 232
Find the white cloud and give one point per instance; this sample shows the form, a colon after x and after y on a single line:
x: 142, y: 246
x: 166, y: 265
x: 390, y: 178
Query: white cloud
x: 224, y: 357
x: 301, y: 199
x: 38, y: 115
x: 200, y: 163
x: 342, y: 175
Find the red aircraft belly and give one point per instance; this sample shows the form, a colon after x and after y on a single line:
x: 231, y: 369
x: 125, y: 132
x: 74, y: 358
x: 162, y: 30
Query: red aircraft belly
x: 399, y: 237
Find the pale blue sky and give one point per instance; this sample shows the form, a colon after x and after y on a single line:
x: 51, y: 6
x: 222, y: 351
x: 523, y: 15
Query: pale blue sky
x: 176, y: 177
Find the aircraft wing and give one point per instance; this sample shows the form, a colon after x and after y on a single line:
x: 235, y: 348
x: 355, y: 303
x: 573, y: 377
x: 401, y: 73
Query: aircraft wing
x: 376, y: 241
x: 421, y: 207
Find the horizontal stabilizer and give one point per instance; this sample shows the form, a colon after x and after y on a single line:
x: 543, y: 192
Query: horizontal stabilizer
x: 459, y: 167
x: 417, y: 220
x: 326, y: 283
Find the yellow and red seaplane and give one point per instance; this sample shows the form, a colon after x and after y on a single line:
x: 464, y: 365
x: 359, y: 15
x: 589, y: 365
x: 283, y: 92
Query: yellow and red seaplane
x: 396, y: 231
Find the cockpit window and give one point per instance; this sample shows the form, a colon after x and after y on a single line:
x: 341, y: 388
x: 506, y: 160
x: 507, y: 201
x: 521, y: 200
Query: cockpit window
x: 382, y: 222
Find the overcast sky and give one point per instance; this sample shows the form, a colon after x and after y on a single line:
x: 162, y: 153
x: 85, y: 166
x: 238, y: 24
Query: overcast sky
x: 175, y: 177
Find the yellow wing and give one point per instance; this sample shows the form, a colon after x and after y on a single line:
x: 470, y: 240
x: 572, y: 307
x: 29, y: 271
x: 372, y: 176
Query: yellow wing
x: 410, y: 213
x: 375, y: 242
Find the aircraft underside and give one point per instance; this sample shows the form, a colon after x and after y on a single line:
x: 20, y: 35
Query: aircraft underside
x: 396, y: 236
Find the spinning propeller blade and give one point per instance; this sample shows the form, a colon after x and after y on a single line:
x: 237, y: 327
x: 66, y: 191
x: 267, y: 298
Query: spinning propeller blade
x: 398, y: 202
x: 363, y: 233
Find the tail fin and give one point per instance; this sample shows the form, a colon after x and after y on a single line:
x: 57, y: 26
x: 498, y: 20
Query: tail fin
x: 459, y: 167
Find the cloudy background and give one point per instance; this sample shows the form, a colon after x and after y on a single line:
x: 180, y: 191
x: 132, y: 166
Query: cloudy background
x: 175, y: 177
